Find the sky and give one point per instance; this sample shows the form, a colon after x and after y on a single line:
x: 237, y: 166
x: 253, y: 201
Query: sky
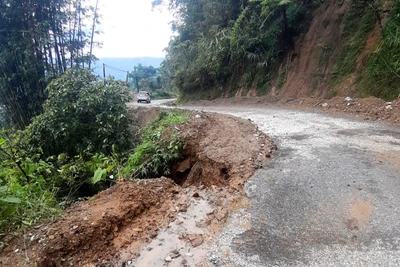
x: 131, y: 29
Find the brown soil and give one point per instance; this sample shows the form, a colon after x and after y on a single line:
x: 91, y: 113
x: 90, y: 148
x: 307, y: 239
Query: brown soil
x: 220, y: 150
x: 311, y: 63
x: 310, y: 67
x: 111, y: 228
x: 145, y: 115
x: 370, y: 108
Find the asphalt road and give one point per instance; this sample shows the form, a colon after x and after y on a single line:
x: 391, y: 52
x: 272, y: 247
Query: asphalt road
x: 153, y: 103
x: 329, y: 197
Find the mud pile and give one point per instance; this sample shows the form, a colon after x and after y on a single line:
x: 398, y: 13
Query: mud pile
x: 220, y: 150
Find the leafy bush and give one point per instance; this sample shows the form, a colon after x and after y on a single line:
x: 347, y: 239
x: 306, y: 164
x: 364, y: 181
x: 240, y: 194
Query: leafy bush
x: 82, y: 115
x: 75, y: 148
x: 32, y: 189
x: 160, y: 146
x: 27, y: 184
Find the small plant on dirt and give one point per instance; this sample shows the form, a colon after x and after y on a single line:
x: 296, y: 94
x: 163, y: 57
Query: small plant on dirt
x: 160, y: 146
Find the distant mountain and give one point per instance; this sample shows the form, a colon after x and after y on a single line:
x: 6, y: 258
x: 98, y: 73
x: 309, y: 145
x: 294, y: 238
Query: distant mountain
x: 118, y: 67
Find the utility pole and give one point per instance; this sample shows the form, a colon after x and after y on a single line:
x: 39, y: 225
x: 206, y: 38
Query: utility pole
x: 104, y: 70
x: 137, y: 83
x: 127, y: 74
x: 91, y: 41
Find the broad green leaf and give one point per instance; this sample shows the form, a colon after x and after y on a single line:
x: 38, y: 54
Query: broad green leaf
x: 14, y: 200
x: 3, y: 189
x: 9, y: 211
x: 99, y: 175
x: 2, y: 141
x: 284, y: 2
x: 109, y: 168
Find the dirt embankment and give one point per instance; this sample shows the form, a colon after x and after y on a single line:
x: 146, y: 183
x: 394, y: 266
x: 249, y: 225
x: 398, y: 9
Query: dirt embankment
x: 370, y: 108
x: 182, y: 215
x: 311, y: 63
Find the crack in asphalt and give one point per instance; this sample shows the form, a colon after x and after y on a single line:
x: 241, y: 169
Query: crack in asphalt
x: 329, y: 197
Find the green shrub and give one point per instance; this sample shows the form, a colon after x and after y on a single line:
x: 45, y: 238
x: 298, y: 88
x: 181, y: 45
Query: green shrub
x: 75, y: 148
x: 160, y: 146
x: 82, y: 115
x: 27, y: 184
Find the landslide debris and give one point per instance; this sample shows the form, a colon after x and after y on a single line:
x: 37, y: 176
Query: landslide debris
x: 113, y: 227
x: 220, y: 150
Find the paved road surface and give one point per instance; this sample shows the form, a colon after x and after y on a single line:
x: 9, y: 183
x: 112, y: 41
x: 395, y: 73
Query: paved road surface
x: 154, y: 103
x: 329, y: 197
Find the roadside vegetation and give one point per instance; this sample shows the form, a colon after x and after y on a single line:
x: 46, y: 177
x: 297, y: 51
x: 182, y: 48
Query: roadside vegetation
x: 383, y: 71
x: 225, y: 48
x: 81, y: 143
x: 380, y: 72
x: 156, y: 81
x: 221, y: 46
x: 160, y: 146
x: 65, y: 134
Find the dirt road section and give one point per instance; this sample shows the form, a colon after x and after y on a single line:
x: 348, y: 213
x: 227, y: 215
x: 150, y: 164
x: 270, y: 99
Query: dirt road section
x: 157, y: 221
x: 369, y: 109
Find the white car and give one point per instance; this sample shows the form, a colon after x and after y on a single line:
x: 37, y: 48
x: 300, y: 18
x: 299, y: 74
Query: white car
x: 143, y: 96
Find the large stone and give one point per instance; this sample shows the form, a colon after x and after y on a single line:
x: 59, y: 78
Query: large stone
x: 195, y: 239
x: 195, y: 173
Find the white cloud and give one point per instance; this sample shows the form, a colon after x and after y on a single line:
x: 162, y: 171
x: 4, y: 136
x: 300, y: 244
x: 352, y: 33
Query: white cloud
x: 131, y: 29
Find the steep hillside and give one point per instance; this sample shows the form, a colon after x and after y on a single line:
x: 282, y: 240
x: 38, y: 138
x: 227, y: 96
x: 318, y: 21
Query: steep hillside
x: 337, y: 52
x: 313, y: 58
x: 287, y: 49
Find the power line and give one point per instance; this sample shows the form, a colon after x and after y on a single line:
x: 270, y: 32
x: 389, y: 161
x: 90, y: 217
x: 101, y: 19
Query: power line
x: 116, y: 69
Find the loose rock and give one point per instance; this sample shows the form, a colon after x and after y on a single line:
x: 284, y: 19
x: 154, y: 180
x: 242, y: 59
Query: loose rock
x: 196, y: 239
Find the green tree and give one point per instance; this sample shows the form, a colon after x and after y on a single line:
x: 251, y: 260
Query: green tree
x: 144, y: 77
x: 82, y: 115
x: 219, y: 41
x: 39, y: 40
